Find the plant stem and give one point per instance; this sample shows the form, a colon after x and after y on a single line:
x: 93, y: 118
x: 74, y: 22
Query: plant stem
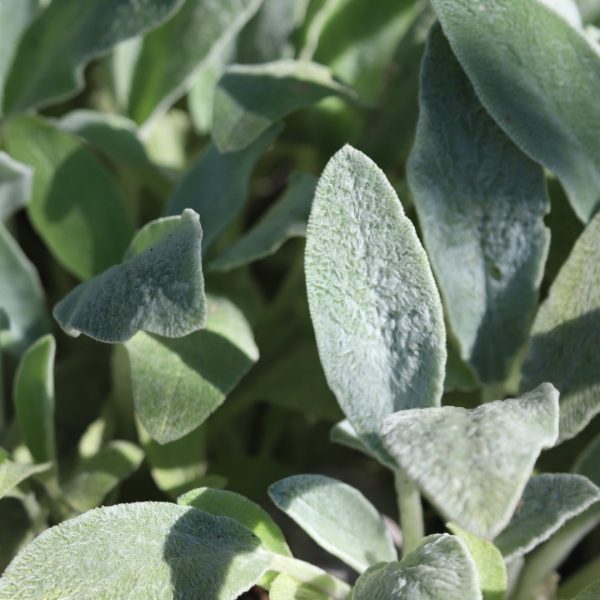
x: 580, y: 580
x: 411, y: 512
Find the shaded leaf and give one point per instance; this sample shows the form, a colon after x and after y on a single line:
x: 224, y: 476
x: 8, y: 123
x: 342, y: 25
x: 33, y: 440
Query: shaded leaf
x: 14, y: 529
x: 12, y: 473
x: 591, y: 592
x: 15, y: 185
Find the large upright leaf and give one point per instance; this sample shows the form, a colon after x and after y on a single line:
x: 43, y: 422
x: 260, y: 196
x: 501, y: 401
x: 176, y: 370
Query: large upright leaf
x: 539, y: 84
x: 375, y: 308
x: 200, y: 28
x: 76, y: 206
x: 34, y: 399
x: 337, y: 516
x: 563, y: 346
x: 440, y: 569
x: 12, y: 473
x: 49, y: 62
x: 250, y: 98
x: 145, y: 550
x: 15, y: 185
x: 473, y: 464
x: 481, y: 204
x: 178, y: 383
x: 160, y: 290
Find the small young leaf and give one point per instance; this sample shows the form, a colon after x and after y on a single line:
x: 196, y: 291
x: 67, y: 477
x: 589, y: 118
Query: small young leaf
x: 12, y: 473
x: 144, y: 550
x: 544, y: 63
x: 160, y: 290
x: 15, y: 186
x: 488, y: 256
x: 286, y: 219
x: 376, y: 311
x: 562, y: 349
x: 473, y: 464
x: 440, y: 569
x: 284, y: 587
x: 337, y: 516
x: 224, y: 503
x: 549, y: 500
x: 34, y: 399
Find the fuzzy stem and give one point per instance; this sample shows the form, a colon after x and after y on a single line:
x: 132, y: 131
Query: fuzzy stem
x: 411, y: 512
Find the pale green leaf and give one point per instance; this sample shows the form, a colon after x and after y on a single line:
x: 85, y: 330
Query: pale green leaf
x: 145, y: 550
x: 122, y: 62
x: 178, y: 383
x: 337, y: 516
x: 200, y: 28
x: 286, y: 219
x: 489, y: 255
x: 76, y: 205
x: 539, y: 83
x: 34, y: 399
x: 250, y: 98
x: 562, y: 349
x: 229, y: 504
x: 159, y: 291
x: 15, y: 185
x: 166, y: 140
x: 567, y: 9
x: 375, y: 309
x: 53, y: 52
x: 474, y: 464
x: 285, y: 587
x: 12, y: 473
x: 549, y: 501
x: 440, y: 569
x: 217, y: 185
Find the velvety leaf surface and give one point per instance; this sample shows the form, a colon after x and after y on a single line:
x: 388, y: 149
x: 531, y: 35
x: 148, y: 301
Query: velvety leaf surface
x: 549, y: 500
x: 286, y: 588
x: 481, y: 204
x: 250, y: 98
x: 76, y: 206
x: 15, y: 185
x: 474, y: 464
x: 200, y: 28
x: 217, y: 185
x: 145, y: 550
x: 286, y: 219
x: 34, y: 399
x: 178, y: 383
x: 375, y: 308
x: 563, y: 346
x: 537, y: 76
x: 440, y: 569
x: 159, y: 291
x: 229, y: 504
x: 337, y: 516
x: 12, y: 473
x: 49, y: 62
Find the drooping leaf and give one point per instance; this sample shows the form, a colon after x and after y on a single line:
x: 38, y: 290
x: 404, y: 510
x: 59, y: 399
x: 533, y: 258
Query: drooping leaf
x: 285, y: 587
x: 562, y: 349
x: 49, y: 62
x: 337, y: 516
x: 12, y: 473
x: 217, y: 185
x: 144, y: 550
x: 178, y: 383
x: 199, y: 29
x: 76, y: 206
x: 287, y: 218
x: 549, y: 500
x: 481, y: 204
x: 375, y: 308
x: 160, y: 290
x: 537, y: 84
x: 15, y: 185
x: 250, y: 98
x: 34, y: 399
x: 474, y: 464
x: 229, y: 504
x: 441, y: 568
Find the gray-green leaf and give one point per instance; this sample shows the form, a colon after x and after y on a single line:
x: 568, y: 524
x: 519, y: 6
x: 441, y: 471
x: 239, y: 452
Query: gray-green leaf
x: 15, y: 185
x: 474, y: 464
x: 12, y: 473
x: 375, y: 308
x: 488, y: 255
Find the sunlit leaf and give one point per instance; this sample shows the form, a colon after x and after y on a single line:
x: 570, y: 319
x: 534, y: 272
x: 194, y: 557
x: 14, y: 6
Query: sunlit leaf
x: 12, y: 474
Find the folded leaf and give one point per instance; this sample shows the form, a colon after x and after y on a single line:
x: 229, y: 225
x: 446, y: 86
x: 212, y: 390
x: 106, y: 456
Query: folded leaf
x: 440, y: 569
x: 489, y: 254
x: 375, y: 308
x: 538, y: 84
x: 562, y: 349
x: 474, y: 464
x: 160, y: 290
x: 12, y: 473
x: 15, y: 186
x: 337, y: 516
x: 144, y: 550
